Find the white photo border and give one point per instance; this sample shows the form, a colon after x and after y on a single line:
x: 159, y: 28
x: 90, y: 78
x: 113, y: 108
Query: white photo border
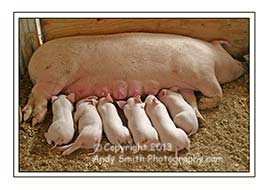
x: 252, y: 85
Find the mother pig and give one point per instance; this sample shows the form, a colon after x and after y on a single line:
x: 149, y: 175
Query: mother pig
x: 126, y: 65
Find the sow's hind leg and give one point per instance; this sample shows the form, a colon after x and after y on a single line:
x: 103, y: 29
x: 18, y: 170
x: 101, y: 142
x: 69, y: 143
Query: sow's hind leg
x: 212, y: 92
x: 36, y: 107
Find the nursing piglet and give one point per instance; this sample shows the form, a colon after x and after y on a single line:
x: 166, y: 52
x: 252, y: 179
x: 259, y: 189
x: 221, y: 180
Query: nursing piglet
x: 173, y: 138
x: 182, y: 113
x: 113, y: 127
x: 61, y: 131
x: 139, y: 124
x: 89, y: 127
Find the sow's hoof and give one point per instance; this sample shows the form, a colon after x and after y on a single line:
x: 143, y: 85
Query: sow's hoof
x: 35, y: 109
x: 207, y: 103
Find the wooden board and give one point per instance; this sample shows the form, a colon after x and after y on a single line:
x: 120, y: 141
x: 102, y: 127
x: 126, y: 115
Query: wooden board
x: 234, y: 30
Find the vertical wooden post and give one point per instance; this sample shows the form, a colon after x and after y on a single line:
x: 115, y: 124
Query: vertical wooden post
x: 28, y: 42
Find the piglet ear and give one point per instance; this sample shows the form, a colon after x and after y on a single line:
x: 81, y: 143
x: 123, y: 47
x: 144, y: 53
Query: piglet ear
x: 121, y: 103
x: 53, y: 99
x: 93, y: 97
x: 155, y: 102
x: 137, y: 99
x: 109, y: 98
x: 71, y: 97
x: 94, y: 102
x: 143, y: 105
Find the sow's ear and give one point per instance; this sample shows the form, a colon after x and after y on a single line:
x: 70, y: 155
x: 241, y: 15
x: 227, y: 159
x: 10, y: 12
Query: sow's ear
x: 121, y: 103
x: 71, y: 97
x: 53, y: 99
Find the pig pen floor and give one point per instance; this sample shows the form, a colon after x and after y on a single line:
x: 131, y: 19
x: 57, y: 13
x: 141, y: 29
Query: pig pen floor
x: 221, y: 144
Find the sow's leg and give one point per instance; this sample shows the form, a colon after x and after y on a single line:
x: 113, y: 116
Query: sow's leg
x: 36, y: 107
x: 212, y: 92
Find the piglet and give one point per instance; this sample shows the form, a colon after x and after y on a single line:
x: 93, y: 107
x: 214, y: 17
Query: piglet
x: 89, y: 127
x: 182, y: 113
x: 113, y: 127
x: 139, y: 124
x: 173, y: 138
x: 61, y: 131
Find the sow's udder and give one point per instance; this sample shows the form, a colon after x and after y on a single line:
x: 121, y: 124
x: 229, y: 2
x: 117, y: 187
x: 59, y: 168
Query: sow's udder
x: 119, y: 89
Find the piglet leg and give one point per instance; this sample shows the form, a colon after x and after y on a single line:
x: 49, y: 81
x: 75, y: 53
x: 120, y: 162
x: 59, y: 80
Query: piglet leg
x: 68, y: 149
x: 64, y: 147
x: 188, y: 124
x: 189, y: 97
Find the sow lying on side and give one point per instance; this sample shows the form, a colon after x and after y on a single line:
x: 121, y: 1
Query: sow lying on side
x: 126, y: 65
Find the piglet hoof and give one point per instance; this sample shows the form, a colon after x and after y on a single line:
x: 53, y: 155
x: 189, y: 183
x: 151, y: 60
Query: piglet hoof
x: 94, y: 152
x: 130, y: 141
x: 66, y: 152
x: 201, y: 118
x: 199, y: 115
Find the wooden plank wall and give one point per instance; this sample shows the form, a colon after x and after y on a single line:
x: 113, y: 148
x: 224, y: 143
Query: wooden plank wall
x: 236, y: 31
x: 28, y: 42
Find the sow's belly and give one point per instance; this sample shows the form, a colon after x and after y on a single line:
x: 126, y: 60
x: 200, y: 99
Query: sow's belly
x: 121, y: 88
